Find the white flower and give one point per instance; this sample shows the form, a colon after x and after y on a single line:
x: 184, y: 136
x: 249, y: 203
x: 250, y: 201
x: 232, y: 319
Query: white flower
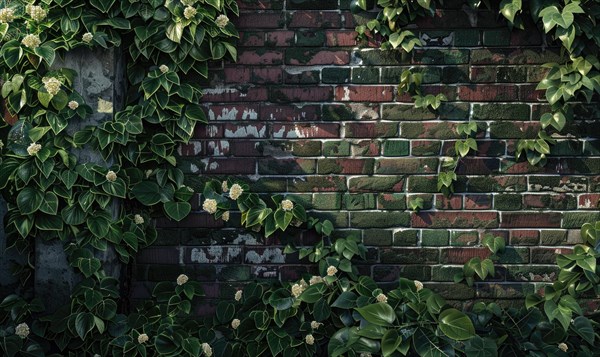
x: 235, y: 324
x: 22, y: 330
x: 207, y: 349
x: 189, y: 12
x: 287, y: 205
x: 365, y: 354
x: 52, y: 85
x: 87, y: 37
x: 210, y: 205
x: 315, y: 325
x: 1, y: 144
x: 418, y: 285
x: 37, y: 13
x: 111, y: 176
x: 31, y: 41
x: 236, y: 191
x: 73, y: 105
x: 7, y: 15
x: 303, y: 283
x: 315, y: 279
x: 381, y: 298
x: 225, y: 216
x: 142, y: 338
x: 331, y: 270
x: 33, y: 149
x: 224, y: 186
x: 163, y: 68
x: 563, y: 347
x: 238, y: 295
x: 182, y: 279
x: 297, y: 290
x: 148, y: 173
x: 138, y: 219
x: 222, y: 21
x: 309, y: 339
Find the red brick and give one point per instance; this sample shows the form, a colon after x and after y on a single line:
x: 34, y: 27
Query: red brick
x: 208, y: 131
x: 291, y: 131
x: 455, y: 220
x: 229, y: 166
x: 253, y: 57
x: 233, y: 94
x: 257, y: 130
x: 259, y: 5
x: 217, y: 148
x: 300, y: 94
x: 462, y: 255
x: 524, y: 237
x: 476, y: 202
x: 280, y: 38
x: 589, y: 201
x: 341, y: 38
x: 488, y: 93
x: 364, y: 93
x: 370, y: 130
x: 530, y: 220
x: 261, y: 20
x: 312, y: 58
x: 290, y: 112
x: 237, y: 75
x: 345, y: 166
x: 266, y: 75
x: 528, y: 93
x: 477, y: 166
x: 323, y: 19
x: 234, y: 111
x: 252, y: 39
x: 443, y: 202
x: 245, y: 148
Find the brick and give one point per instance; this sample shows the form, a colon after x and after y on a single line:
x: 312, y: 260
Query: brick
x: 335, y: 75
x: 554, y: 201
x: 478, y: 202
x: 394, y: 272
x: 307, y: 148
x: 558, y: 184
x: 377, y: 237
x: 425, y: 147
x: 304, y: 131
x: 317, y: 184
x: 504, y: 291
x: 488, y: 93
x: 553, y: 237
x: 444, y: 272
x: 440, y: 56
x: 235, y: 94
x: 422, y: 184
x: 376, y: 184
x: 314, y: 19
x: 409, y: 256
x: 448, y: 203
x: 531, y: 273
x: 507, y: 202
x: 361, y: 201
x: 546, y: 255
x: 279, y: 38
x: 497, y: 184
x: 364, y: 93
x: 589, y: 201
x: 365, y: 75
x: 370, y: 130
x: 377, y: 57
x: 577, y: 219
x: 455, y: 220
x: 311, y: 57
x: 431, y: 237
x: 264, y: 20
x: 514, y: 56
x: 496, y: 37
x: 462, y: 255
x: 391, y: 201
x: 310, y: 38
x: 464, y: 238
x: 405, y: 166
x: 303, y: 77
x: 365, y: 148
x: 379, y: 219
x: 495, y: 111
x: 524, y: 237
x: 455, y: 74
x: 290, y: 112
x: 406, y: 112
x: 286, y: 166
x: 530, y: 220
x: 300, y: 94
x: 327, y: 201
x: 339, y: 219
x: 336, y: 148
x: 478, y: 166
x: 345, y: 166
x: 312, y: 4
x: 406, y: 237
x: 254, y: 57
x: 341, y: 38
x: 245, y: 131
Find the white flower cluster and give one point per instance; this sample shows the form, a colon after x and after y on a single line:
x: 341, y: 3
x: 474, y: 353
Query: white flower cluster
x: 563, y: 347
x: 31, y: 41
x: 33, y: 149
x: 315, y: 279
x: 235, y: 324
x: 182, y: 279
x: 1, y: 144
x: 309, y: 339
x: 111, y: 176
x: 22, y: 330
x: 225, y: 216
x: 87, y: 37
x: 207, y: 349
x: 189, y: 12
x: 381, y: 298
x: 7, y: 15
x: 287, y: 205
x: 418, y: 285
x: 238, y: 295
x: 138, y: 219
x: 222, y: 21
x: 143, y: 338
x: 52, y: 85
x: 73, y: 105
x: 315, y: 325
x: 235, y: 192
x: 210, y: 205
x: 297, y: 290
x: 37, y: 13
x: 163, y: 68
x: 331, y: 270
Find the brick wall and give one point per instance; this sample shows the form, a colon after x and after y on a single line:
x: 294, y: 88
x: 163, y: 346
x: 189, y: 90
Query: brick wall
x: 306, y: 111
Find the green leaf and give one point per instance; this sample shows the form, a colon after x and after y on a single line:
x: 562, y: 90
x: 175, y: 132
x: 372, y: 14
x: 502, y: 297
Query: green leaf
x: 175, y: 31
x: 177, y: 210
x: 583, y: 327
x: 346, y: 300
x: 99, y: 224
x: 481, y: 347
x: 88, y: 266
x: 456, y: 325
x: 390, y: 342
x: 116, y: 188
x: 29, y: 200
x: 84, y: 323
x: 510, y: 8
x: 147, y: 192
x: 313, y: 293
x: 47, y: 53
x: 73, y: 215
x: 192, y: 346
x: 225, y: 312
x: 12, y: 53
x: 380, y: 314
x: 50, y: 203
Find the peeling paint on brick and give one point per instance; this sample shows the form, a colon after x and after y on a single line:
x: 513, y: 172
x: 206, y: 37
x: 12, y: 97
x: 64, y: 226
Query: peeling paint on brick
x: 269, y: 255
x: 214, y: 254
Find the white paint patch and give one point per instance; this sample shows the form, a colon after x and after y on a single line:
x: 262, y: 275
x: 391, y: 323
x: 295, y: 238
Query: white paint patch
x: 219, y: 148
x: 363, y: 111
x: 249, y: 114
x: 214, y: 254
x: 220, y: 90
x: 269, y: 255
x: 246, y: 131
x: 247, y: 239
x: 194, y: 168
x: 228, y: 114
x: 346, y: 93
x: 104, y: 106
x: 212, y: 130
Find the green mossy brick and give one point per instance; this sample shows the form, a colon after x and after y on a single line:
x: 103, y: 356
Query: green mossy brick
x: 391, y: 201
x: 413, y: 272
x: 339, y: 219
x: 306, y: 148
x: 496, y: 37
x: 377, y: 237
x: 445, y: 272
x: 505, y: 291
x: 431, y: 131
x: 513, y: 255
x: 507, y: 202
x: 422, y: 184
x: 359, y: 201
x: 305, y: 199
x: 558, y: 184
x: 454, y: 111
x: 577, y: 219
x: 365, y: 75
x: 377, y: 57
x: 340, y: 166
x: 467, y: 38
x: 553, y: 237
x: 316, y: 184
x: 377, y: 183
x: 430, y: 74
x: 455, y: 74
x: 434, y: 237
x: 566, y: 148
x: 482, y: 184
x: 407, y: 237
x: 295, y: 167
x: 327, y: 201
x: 406, y: 112
x: 234, y: 273
x: 453, y: 291
x: 313, y: 38
x: 335, y: 75
x: 379, y: 219
x: 409, y: 255
x: 406, y: 166
x: 365, y: 148
x: 347, y: 233
x: 464, y: 238
x: 428, y: 148
x: 591, y: 148
x: 396, y: 148
x: 531, y: 273
x: 511, y: 74
x: 496, y: 111
x: 437, y: 56
x: 336, y: 148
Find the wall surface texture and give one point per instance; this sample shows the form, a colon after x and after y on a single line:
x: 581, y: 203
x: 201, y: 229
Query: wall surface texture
x: 309, y: 112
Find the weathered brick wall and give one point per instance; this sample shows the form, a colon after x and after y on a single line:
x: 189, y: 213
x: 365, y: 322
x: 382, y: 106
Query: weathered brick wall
x: 305, y: 111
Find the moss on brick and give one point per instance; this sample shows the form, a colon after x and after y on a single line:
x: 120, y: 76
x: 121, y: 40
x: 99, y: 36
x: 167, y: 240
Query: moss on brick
x: 336, y: 148
x: 360, y: 201
x: 378, y: 237
x: 495, y: 111
x: 335, y: 75
x: 422, y: 184
x: 464, y: 238
x: 396, y: 148
x: 365, y: 75
x: 406, y: 237
x: 327, y: 201
x: 388, y: 201
x: 577, y: 219
x: 507, y: 202
x: 379, y: 219
x: 434, y: 237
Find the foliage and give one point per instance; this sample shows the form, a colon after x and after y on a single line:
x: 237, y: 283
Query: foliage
x: 411, y: 83
x: 482, y: 267
x: 446, y: 179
